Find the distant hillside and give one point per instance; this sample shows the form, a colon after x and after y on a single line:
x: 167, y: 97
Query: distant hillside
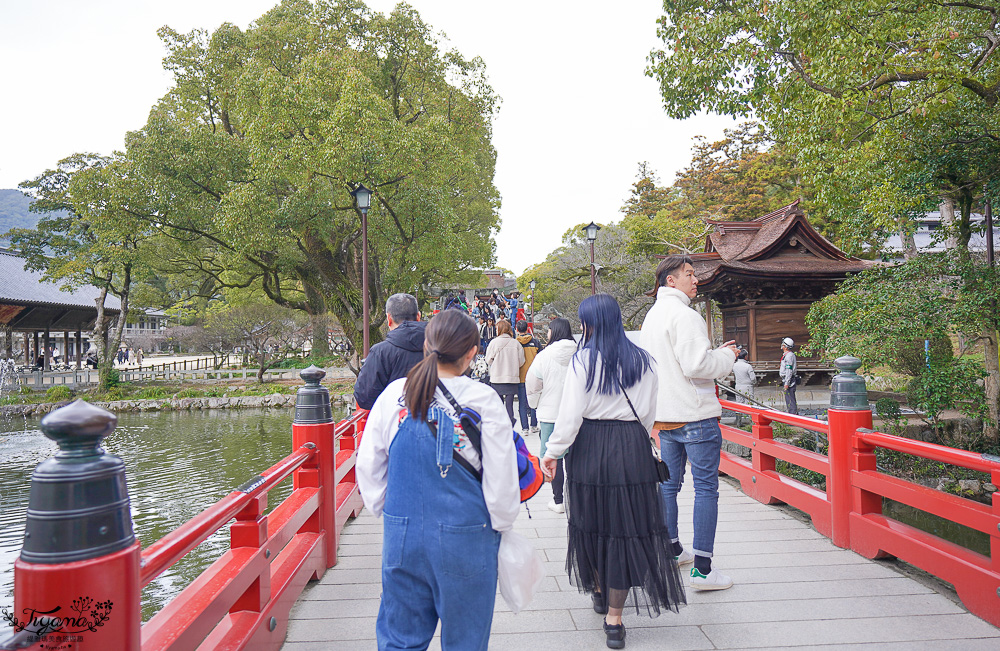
x: 14, y: 212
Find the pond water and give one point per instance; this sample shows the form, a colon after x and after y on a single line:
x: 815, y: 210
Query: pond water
x: 177, y: 464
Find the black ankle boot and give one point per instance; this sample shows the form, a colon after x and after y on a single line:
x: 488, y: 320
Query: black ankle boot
x: 615, y: 635
x: 600, y: 605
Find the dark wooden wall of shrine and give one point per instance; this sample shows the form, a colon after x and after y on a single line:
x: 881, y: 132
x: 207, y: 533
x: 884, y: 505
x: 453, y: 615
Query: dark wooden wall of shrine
x: 762, y: 327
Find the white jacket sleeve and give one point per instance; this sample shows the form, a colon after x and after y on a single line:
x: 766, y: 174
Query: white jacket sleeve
x: 500, y: 484
x: 571, y: 406
x: 695, y: 355
x: 533, y: 383
x: 372, y: 466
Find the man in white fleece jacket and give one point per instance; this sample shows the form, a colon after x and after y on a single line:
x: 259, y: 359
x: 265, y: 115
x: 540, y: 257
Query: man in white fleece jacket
x: 688, y: 410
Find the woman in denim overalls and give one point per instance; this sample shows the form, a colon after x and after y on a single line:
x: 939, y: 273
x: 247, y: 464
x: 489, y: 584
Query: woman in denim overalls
x: 441, y: 523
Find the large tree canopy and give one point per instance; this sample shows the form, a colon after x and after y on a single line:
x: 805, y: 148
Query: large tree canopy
x: 249, y: 161
x: 890, y: 106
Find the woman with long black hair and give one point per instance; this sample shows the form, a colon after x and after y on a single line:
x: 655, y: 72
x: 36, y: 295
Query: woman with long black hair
x: 619, y: 549
x: 441, y: 524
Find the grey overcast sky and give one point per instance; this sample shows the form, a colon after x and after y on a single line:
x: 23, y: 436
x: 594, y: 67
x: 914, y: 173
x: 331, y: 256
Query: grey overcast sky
x: 578, y: 113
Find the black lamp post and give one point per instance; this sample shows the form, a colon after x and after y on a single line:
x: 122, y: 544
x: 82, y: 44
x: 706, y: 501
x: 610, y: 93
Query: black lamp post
x: 532, y: 284
x: 591, y: 230
x: 363, y: 196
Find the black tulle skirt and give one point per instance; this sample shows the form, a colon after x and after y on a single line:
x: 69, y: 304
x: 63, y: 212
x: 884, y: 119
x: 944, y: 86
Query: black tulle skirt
x: 617, y: 537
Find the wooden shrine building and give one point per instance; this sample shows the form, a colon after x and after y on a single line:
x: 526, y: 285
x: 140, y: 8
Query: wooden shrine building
x: 765, y: 274
x: 32, y: 306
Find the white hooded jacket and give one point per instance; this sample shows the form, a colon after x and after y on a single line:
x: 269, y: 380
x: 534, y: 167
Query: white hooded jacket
x: 677, y: 338
x: 546, y: 377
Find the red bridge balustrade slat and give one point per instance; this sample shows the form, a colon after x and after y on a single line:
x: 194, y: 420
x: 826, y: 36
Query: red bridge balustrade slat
x: 970, y: 573
x: 190, y: 616
x: 771, y: 487
x: 804, y: 458
x: 297, y: 563
x: 944, y: 505
x: 345, y: 464
x: 289, y: 517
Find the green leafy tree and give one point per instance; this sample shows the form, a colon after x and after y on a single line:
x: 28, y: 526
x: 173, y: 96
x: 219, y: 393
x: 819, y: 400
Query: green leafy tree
x: 740, y: 177
x: 87, y: 235
x: 890, y: 107
x: 250, y: 160
x: 564, y: 277
x: 879, y: 314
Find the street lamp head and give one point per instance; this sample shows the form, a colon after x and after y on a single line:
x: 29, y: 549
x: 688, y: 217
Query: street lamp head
x: 591, y: 230
x: 532, y: 284
x: 363, y: 196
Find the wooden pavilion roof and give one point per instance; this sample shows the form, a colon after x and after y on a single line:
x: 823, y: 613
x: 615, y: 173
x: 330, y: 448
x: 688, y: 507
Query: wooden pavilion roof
x: 28, y: 303
x: 781, y: 245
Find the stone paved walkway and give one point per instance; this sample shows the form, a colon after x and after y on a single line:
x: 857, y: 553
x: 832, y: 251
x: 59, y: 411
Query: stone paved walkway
x: 794, y: 589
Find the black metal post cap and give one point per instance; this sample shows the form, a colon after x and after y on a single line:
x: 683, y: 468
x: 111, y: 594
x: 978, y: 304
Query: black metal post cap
x: 78, y: 505
x: 78, y: 429
x: 312, y: 402
x: 848, y: 390
x: 312, y: 375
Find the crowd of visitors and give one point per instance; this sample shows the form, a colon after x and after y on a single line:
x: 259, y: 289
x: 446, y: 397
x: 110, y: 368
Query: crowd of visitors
x: 605, y: 409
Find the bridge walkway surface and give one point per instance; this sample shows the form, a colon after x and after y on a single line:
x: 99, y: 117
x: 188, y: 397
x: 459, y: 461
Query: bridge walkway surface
x: 793, y: 589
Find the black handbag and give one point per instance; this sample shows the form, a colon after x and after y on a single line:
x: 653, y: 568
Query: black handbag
x: 662, y: 471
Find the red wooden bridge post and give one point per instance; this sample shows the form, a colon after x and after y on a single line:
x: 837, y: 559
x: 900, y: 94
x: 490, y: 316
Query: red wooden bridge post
x: 762, y: 462
x: 314, y: 424
x: 78, y: 572
x: 849, y: 410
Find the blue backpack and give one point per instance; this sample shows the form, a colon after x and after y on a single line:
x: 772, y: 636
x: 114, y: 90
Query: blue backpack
x: 529, y: 473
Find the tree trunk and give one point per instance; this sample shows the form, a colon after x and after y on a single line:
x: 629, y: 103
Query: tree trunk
x: 906, y: 239
x: 318, y: 320
x: 8, y: 338
x: 992, y: 363
x: 947, y: 208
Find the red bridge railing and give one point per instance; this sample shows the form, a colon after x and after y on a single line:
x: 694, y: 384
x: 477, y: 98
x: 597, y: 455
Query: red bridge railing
x: 850, y: 510
x: 241, y: 601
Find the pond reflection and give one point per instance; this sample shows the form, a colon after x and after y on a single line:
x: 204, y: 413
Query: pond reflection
x: 177, y: 464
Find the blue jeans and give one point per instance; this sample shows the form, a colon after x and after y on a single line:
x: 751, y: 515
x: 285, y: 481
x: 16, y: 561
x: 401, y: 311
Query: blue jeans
x: 701, y: 443
x: 524, y: 411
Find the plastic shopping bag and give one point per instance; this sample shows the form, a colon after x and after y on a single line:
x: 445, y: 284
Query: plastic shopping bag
x: 520, y: 570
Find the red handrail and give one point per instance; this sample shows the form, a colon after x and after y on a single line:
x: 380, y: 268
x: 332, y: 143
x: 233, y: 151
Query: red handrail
x: 161, y: 555
x: 850, y: 510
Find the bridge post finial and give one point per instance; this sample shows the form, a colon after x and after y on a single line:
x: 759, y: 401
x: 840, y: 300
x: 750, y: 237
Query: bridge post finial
x: 312, y: 402
x: 80, y: 553
x: 848, y: 391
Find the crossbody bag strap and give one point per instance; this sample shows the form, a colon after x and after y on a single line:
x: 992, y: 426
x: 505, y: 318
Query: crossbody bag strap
x: 475, y: 436
x: 630, y: 406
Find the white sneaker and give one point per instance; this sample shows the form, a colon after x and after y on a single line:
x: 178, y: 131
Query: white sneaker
x: 525, y: 432
x: 535, y: 430
x: 715, y: 580
x: 558, y: 508
x: 686, y: 558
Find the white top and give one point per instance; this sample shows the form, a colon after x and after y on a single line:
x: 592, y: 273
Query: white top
x: 578, y: 403
x: 499, y: 464
x: 677, y: 338
x: 789, y: 367
x: 544, y: 380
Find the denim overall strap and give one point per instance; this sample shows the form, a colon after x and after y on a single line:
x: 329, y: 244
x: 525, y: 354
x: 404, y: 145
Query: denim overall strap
x: 444, y: 432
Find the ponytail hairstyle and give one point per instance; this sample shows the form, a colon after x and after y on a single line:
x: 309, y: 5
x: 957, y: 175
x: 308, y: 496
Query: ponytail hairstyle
x: 448, y: 337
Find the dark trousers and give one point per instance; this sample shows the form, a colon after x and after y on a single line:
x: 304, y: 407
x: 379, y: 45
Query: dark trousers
x: 523, y: 410
x: 791, y: 406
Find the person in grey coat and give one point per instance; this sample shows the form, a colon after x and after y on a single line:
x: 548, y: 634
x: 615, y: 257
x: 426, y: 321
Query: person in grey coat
x: 787, y: 371
x: 745, y: 381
